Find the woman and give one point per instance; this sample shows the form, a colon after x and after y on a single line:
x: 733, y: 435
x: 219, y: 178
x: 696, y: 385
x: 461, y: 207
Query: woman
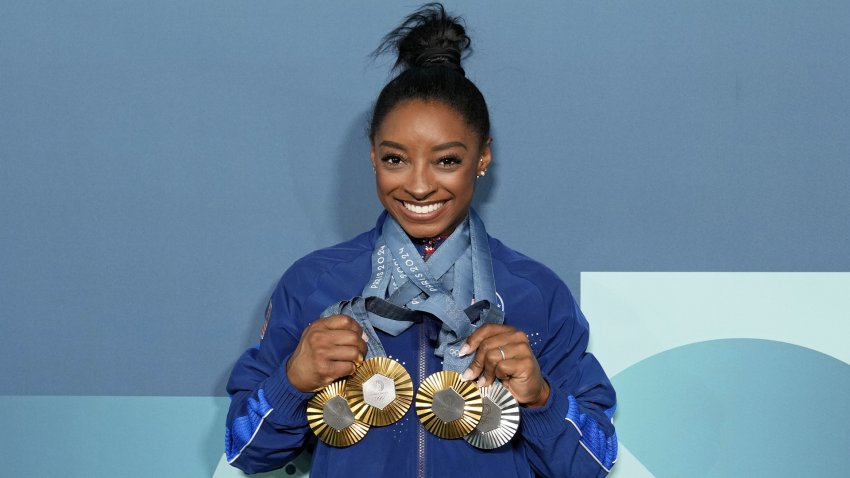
x: 430, y: 142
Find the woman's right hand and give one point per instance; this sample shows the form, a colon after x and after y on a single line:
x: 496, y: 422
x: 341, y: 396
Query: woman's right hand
x: 329, y: 349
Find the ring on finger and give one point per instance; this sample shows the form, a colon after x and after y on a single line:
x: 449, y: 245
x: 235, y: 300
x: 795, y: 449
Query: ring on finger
x: 501, y: 351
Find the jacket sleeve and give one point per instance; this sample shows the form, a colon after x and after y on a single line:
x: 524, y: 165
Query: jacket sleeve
x: 267, y: 423
x: 573, y: 434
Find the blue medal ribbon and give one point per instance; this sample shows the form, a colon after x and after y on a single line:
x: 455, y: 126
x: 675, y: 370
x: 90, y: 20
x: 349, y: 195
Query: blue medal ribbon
x: 403, y: 286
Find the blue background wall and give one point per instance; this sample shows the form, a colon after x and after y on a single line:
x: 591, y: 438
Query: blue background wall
x: 162, y: 163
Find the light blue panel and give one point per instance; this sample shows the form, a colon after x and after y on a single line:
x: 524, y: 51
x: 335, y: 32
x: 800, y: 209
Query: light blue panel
x: 644, y: 326
x: 736, y: 408
x: 132, y: 437
x: 635, y: 315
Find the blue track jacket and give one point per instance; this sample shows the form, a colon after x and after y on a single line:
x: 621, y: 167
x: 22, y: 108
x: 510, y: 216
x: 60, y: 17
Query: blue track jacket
x: 571, y: 436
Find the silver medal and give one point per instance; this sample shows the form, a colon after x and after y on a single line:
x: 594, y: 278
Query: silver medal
x: 499, y: 420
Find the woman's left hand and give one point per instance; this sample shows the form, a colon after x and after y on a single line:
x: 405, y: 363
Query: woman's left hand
x: 503, y: 352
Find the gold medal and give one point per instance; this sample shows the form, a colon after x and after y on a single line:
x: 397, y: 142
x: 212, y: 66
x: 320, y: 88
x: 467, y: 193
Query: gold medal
x: 380, y: 391
x: 448, y: 406
x: 499, y: 421
x: 331, y: 419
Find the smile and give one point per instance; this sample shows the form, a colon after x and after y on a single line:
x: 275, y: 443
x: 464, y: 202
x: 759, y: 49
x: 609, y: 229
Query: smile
x: 428, y: 208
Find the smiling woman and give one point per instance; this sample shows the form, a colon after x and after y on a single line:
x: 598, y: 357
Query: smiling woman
x: 428, y: 302
x: 426, y: 160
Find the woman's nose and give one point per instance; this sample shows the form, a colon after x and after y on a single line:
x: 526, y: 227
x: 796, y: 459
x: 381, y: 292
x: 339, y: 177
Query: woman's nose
x: 420, y: 182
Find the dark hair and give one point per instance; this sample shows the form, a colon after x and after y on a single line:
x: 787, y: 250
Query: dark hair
x: 430, y: 45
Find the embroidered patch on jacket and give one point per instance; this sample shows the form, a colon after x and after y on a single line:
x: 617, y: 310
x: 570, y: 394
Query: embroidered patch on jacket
x: 266, y: 321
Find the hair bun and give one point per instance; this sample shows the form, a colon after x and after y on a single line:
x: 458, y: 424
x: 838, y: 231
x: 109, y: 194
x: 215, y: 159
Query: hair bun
x: 428, y: 37
x: 438, y: 56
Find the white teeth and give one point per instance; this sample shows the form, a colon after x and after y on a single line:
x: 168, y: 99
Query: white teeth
x: 423, y: 209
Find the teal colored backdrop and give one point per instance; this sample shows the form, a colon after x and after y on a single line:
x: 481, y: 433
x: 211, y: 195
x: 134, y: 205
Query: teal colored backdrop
x: 162, y: 163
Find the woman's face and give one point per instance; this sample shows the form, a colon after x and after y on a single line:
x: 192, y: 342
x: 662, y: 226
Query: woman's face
x: 426, y: 159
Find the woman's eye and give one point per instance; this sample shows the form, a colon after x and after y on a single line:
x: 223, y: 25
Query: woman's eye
x: 448, y: 161
x: 391, y: 159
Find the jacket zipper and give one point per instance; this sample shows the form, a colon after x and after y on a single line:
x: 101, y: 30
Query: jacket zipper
x: 423, y: 342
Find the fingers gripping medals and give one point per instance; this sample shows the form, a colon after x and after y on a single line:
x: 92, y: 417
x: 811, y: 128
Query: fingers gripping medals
x: 500, y: 418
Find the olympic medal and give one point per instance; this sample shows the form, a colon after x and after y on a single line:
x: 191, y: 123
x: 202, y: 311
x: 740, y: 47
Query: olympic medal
x: 331, y: 419
x: 499, y: 420
x: 380, y: 391
x: 448, y: 406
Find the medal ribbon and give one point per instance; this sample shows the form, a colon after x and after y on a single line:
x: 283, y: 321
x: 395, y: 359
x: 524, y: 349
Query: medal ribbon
x: 460, y: 271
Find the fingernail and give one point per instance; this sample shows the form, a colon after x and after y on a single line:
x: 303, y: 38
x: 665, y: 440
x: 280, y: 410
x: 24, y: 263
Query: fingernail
x: 481, y: 382
x: 464, y: 350
x: 365, y: 337
x: 467, y: 375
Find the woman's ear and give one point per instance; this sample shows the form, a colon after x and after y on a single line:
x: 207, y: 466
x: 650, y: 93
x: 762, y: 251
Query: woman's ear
x: 486, y: 156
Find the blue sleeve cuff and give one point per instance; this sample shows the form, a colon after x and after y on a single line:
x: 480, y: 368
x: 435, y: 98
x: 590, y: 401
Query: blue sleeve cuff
x: 548, y: 420
x: 289, y: 403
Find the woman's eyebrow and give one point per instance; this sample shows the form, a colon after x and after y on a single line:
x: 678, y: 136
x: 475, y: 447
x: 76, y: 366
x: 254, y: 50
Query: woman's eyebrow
x: 439, y: 147
x: 449, y: 145
x: 392, y: 144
